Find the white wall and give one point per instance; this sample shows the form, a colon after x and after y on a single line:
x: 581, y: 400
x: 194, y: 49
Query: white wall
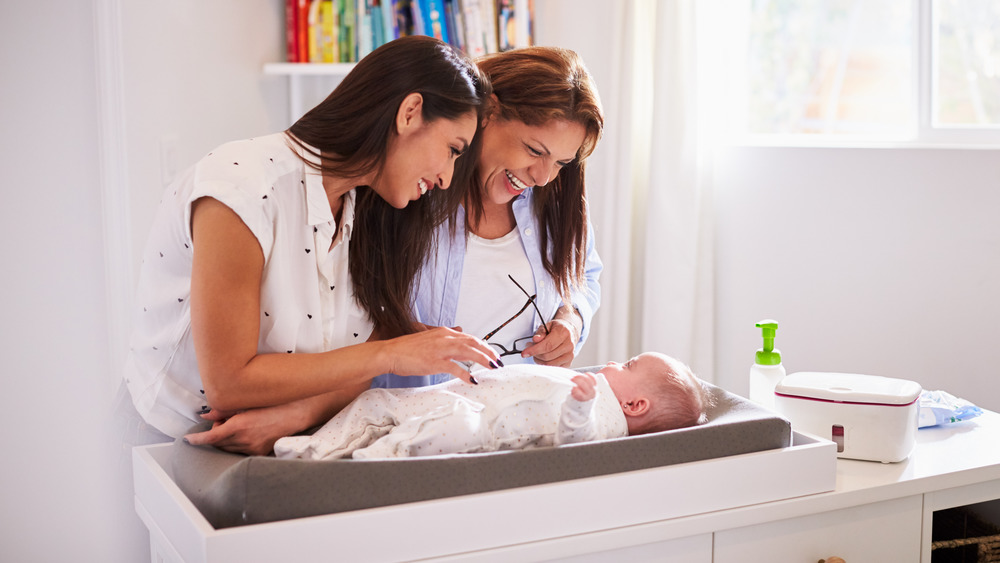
x: 878, y: 261
x: 192, y: 81
x: 53, y: 489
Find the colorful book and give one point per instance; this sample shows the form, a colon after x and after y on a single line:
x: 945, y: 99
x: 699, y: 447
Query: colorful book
x: 388, y: 20
x: 315, y: 34
x: 434, y: 19
x: 475, y: 35
x: 364, y: 32
x: 347, y: 30
x: 297, y: 30
x: 455, y: 33
x: 490, y: 21
x: 328, y: 32
x: 291, y: 31
x: 506, y: 25
x: 302, y: 30
x: 378, y: 29
x: 403, y: 14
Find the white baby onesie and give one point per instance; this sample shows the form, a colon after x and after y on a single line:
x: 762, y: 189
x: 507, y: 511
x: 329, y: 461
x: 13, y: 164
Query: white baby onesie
x: 516, y: 407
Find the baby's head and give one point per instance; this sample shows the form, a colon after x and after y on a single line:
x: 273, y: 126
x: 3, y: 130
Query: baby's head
x: 657, y: 392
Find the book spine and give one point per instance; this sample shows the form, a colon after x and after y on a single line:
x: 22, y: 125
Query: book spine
x: 389, y: 20
x: 522, y: 23
x: 364, y: 30
x: 436, y: 24
x: 419, y: 16
x: 451, y: 24
x: 348, y: 28
x: 403, y: 14
x: 302, y: 30
x: 291, y: 31
x: 328, y: 26
x: 490, y: 21
x: 475, y: 38
x: 506, y: 28
x: 378, y: 24
x: 315, y: 33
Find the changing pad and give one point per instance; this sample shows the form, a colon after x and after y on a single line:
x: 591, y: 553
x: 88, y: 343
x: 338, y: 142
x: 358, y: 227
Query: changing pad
x: 233, y: 490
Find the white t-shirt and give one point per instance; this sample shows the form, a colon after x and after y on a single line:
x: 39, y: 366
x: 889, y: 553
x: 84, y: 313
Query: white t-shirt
x: 488, y: 298
x: 307, y: 301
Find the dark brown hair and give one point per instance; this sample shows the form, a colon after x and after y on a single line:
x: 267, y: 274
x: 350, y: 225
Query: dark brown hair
x: 349, y: 133
x: 535, y: 86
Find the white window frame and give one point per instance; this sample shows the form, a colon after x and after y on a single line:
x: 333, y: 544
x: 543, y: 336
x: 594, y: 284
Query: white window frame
x: 926, y: 133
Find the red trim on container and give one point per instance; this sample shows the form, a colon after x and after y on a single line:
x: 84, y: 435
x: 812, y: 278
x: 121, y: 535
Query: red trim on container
x: 845, y: 402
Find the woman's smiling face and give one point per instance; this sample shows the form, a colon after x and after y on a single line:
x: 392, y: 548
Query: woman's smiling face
x: 516, y: 156
x: 422, y: 155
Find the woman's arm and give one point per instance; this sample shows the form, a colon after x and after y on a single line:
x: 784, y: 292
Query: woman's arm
x: 570, y: 326
x: 255, y: 431
x: 225, y: 317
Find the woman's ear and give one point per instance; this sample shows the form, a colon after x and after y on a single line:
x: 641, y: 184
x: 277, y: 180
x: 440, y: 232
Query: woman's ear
x: 635, y: 407
x: 492, y: 111
x: 409, y: 116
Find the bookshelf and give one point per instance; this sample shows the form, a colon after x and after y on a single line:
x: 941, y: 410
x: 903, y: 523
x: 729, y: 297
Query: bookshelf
x: 308, y: 69
x: 346, y: 30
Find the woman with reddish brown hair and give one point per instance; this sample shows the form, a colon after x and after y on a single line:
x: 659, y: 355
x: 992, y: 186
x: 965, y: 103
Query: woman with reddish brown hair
x: 522, y: 235
x: 277, y: 281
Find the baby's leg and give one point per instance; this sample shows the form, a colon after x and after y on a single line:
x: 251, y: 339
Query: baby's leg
x: 456, y: 428
x: 369, y: 417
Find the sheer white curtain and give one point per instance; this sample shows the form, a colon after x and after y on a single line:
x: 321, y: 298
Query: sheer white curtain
x: 655, y: 202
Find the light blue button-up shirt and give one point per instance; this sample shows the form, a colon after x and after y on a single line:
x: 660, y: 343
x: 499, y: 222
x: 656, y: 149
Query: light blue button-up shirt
x: 441, y: 279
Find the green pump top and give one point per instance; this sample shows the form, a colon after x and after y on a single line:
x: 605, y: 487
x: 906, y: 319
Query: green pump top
x: 768, y: 356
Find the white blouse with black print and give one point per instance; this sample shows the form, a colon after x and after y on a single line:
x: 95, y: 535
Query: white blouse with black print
x: 307, y: 301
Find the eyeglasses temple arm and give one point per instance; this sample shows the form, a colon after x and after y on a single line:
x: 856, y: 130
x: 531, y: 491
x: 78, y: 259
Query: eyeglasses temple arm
x: 497, y: 329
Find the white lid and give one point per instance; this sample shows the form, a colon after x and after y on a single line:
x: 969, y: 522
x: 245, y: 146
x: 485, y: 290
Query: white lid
x: 849, y: 388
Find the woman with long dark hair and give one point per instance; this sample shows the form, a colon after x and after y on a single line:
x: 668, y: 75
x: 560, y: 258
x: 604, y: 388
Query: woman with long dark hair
x: 277, y: 280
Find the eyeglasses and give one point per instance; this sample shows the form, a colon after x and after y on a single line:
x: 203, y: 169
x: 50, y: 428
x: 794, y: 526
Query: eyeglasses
x: 530, y: 301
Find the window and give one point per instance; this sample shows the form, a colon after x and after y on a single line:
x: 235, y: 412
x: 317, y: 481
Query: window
x: 838, y: 71
x: 966, y: 63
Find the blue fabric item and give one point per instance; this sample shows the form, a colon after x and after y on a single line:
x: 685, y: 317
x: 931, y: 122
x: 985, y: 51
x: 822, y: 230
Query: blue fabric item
x: 941, y: 407
x: 441, y: 280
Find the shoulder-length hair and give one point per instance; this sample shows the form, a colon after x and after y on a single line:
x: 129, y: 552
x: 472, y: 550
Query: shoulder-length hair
x: 349, y: 134
x: 536, y: 85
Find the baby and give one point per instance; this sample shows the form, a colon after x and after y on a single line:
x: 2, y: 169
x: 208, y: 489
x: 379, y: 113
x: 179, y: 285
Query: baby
x: 515, y: 407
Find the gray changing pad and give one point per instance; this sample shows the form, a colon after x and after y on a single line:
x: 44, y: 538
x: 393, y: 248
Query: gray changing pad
x: 235, y: 490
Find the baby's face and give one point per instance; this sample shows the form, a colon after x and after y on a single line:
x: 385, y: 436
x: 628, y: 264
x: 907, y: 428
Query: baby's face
x: 638, y: 371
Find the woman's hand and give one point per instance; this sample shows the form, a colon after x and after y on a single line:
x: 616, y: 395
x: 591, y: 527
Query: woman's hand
x: 558, y: 347
x: 251, y: 432
x: 254, y: 431
x: 436, y: 350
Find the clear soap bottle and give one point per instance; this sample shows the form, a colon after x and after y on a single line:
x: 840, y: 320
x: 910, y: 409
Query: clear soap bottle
x: 767, y: 370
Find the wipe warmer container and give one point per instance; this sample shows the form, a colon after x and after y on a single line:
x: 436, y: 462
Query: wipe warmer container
x: 868, y: 416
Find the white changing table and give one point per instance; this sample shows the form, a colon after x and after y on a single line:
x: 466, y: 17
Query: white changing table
x: 699, y: 512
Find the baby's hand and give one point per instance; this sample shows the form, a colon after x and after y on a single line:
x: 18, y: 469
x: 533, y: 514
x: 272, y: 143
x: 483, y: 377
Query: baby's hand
x: 585, y: 387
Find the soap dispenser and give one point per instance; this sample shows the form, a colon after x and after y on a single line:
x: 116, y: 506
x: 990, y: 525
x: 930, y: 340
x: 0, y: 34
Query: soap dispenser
x: 767, y: 370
